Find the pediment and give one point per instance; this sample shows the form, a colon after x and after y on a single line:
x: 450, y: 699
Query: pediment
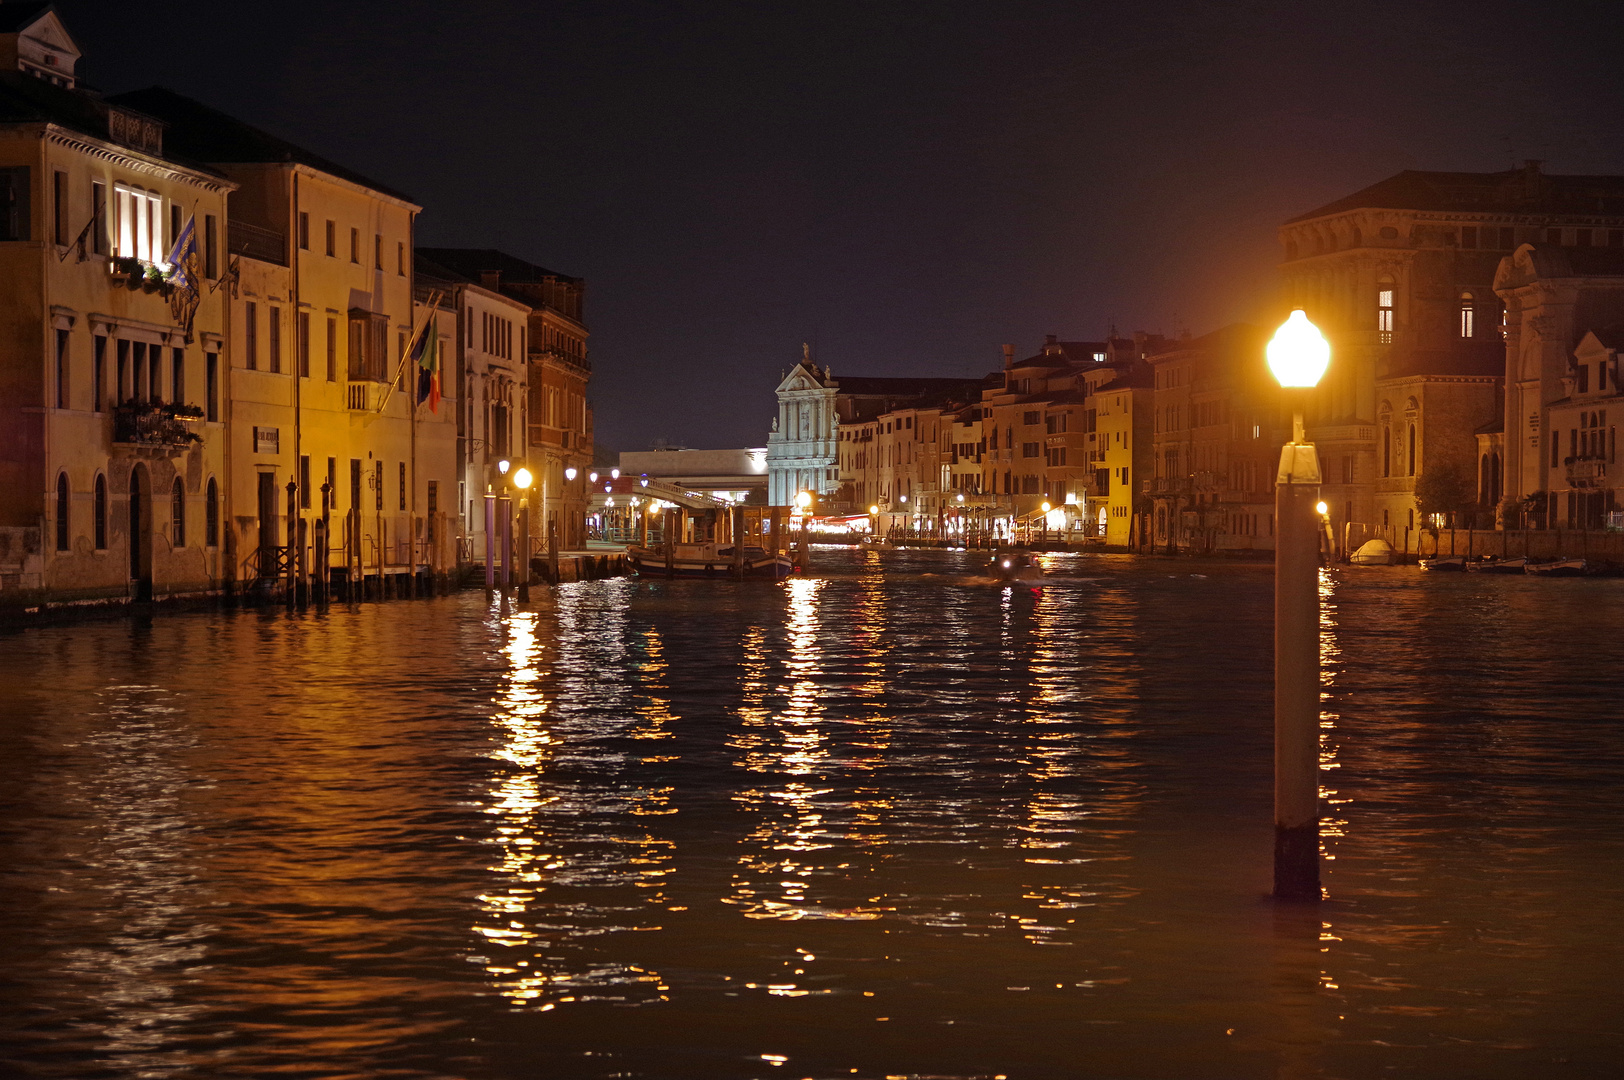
x: 800, y: 379
x: 48, y: 30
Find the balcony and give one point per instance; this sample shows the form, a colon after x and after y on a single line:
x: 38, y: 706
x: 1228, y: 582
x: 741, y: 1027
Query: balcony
x: 141, y: 423
x: 266, y: 245
x: 1587, y: 472
x: 366, y: 396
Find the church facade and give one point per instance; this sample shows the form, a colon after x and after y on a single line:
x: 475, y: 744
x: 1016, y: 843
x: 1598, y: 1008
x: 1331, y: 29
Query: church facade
x: 801, y: 448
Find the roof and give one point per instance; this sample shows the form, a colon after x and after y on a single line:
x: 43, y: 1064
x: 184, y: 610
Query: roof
x: 1524, y: 190
x: 1610, y: 337
x: 207, y: 134
x: 472, y: 263
x: 15, y: 18
x: 1234, y: 336
x: 26, y: 99
x: 861, y: 386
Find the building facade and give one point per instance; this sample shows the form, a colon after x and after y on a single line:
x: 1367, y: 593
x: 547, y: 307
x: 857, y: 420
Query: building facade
x: 1564, y: 308
x: 113, y: 463
x: 1400, y: 277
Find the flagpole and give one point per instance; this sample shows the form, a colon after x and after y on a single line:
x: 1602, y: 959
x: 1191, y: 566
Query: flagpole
x: 411, y: 346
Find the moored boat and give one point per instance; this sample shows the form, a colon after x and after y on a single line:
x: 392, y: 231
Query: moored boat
x: 1558, y: 568
x: 1373, y: 553
x: 708, y: 561
x: 1453, y: 563
x: 1488, y: 564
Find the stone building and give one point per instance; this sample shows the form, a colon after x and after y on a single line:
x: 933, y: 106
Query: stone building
x: 527, y: 372
x: 1217, y: 432
x: 1400, y: 277
x: 114, y: 465
x: 319, y: 387
x: 818, y: 411
x: 1564, y: 314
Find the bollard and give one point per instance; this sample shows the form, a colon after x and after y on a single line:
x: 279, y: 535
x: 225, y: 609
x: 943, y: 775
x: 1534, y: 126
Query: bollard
x: 1296, y: 674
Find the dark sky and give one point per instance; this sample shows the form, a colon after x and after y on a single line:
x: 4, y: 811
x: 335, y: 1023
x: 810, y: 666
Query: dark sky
x: 906, y: 185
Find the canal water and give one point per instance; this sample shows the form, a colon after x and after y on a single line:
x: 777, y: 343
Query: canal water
x: 885, y: 820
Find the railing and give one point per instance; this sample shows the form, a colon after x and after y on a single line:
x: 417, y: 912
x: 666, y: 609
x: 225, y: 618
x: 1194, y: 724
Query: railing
x: 140, y: 423
x: 1587, y: 472
x: 366, y: 396
x: 266, y: 245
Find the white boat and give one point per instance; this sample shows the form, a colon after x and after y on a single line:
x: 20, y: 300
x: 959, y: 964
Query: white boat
x: 1373, y: 553
x: 707, y: 561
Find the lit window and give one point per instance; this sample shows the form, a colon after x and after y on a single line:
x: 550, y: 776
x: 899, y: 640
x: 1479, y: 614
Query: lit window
x: 1468, y: 322
x: 140, y: 221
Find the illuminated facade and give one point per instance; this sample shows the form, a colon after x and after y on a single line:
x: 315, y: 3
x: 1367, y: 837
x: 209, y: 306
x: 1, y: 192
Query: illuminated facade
x: 526, y: 368
x: 115, y: 464
x: 1401, y: 278
x: 1565, y: 308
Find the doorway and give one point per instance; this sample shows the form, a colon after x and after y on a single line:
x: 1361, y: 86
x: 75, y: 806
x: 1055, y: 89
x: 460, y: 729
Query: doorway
x: 267, y: 524
x: 140, y: 533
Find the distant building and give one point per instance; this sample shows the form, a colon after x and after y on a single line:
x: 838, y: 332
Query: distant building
x: 1400, y: 277
x: 742, y: 473
x: 1215, y: 445
x: 815, y: 408
x: 1565, y: 327
x: 527, y: 370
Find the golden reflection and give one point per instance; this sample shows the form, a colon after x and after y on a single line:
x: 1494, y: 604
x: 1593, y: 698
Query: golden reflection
x: 578, y: 855
x: 1333, y: 823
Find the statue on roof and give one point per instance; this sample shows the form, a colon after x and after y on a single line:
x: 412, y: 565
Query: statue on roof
x: 806, y: 354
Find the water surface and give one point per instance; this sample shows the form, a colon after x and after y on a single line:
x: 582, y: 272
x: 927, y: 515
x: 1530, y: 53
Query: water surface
x: 885, y: 820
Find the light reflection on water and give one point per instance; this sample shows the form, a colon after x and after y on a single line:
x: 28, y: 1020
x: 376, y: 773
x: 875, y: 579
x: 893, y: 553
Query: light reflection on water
x: 885, y: 819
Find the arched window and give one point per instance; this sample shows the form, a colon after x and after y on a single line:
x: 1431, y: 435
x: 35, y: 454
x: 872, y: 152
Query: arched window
x: 1384, y: 309
x: 101, y: 513
x: 177, y: 534
x: 1485, y: 487
x: 1411, y: 467
x: 1358, y: 237
x: 211, y: 515
x: 62, y: 512
x: 1468, y: 319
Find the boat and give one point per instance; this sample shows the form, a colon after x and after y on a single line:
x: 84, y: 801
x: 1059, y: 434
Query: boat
x: 1439, y: 563
x: 1558, y: 568
x: 1488, y: 564
x: 1373, y: 553
x: 708, y: 561
x: 1013, y: 566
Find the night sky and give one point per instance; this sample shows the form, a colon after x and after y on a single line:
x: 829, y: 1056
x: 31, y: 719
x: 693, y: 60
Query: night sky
x: 905, y: 185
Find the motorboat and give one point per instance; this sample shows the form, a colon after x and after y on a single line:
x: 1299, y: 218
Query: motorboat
x: 708, y: 561
x: 1441, y: 563
x: 1374, y: 553
x: 1559, y: 568
x: 1013, y: 566
x: 1488, y: 564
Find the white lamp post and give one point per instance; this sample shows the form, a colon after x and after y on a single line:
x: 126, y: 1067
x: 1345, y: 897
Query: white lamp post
x: 1297, y: 356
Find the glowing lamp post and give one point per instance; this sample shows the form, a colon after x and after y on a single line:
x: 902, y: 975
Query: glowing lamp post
x: 1298, y: 356
x: 522, y: 480
x: 874, y: 513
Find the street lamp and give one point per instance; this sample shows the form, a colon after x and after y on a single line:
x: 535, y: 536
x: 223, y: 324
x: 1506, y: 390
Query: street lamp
x: 804, y: 501
x: 522, y: 479
x: 569, y: 473
x: 1297, y: 356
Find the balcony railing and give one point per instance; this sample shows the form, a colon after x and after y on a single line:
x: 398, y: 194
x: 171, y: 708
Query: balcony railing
x: 366, y: 396
x: 1587, y: 472
x: 266, y: 245
x: 140, y: 423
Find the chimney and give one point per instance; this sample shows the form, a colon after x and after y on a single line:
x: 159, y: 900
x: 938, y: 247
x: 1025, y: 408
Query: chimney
x: 1009, y: 356
x: 491, y: 279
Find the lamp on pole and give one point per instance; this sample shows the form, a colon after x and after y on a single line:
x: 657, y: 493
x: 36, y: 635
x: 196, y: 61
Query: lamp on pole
x: 522, y: 479
x: 1297, y: 356
x: 504, y: 523
x: 804, y: 501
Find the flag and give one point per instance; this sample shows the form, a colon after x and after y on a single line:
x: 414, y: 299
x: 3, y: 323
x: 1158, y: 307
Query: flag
x: 183, y: 256
x: 427, y: 355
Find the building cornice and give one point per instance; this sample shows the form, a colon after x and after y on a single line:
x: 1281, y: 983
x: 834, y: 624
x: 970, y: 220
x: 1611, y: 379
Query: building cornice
x: 135, y: 163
